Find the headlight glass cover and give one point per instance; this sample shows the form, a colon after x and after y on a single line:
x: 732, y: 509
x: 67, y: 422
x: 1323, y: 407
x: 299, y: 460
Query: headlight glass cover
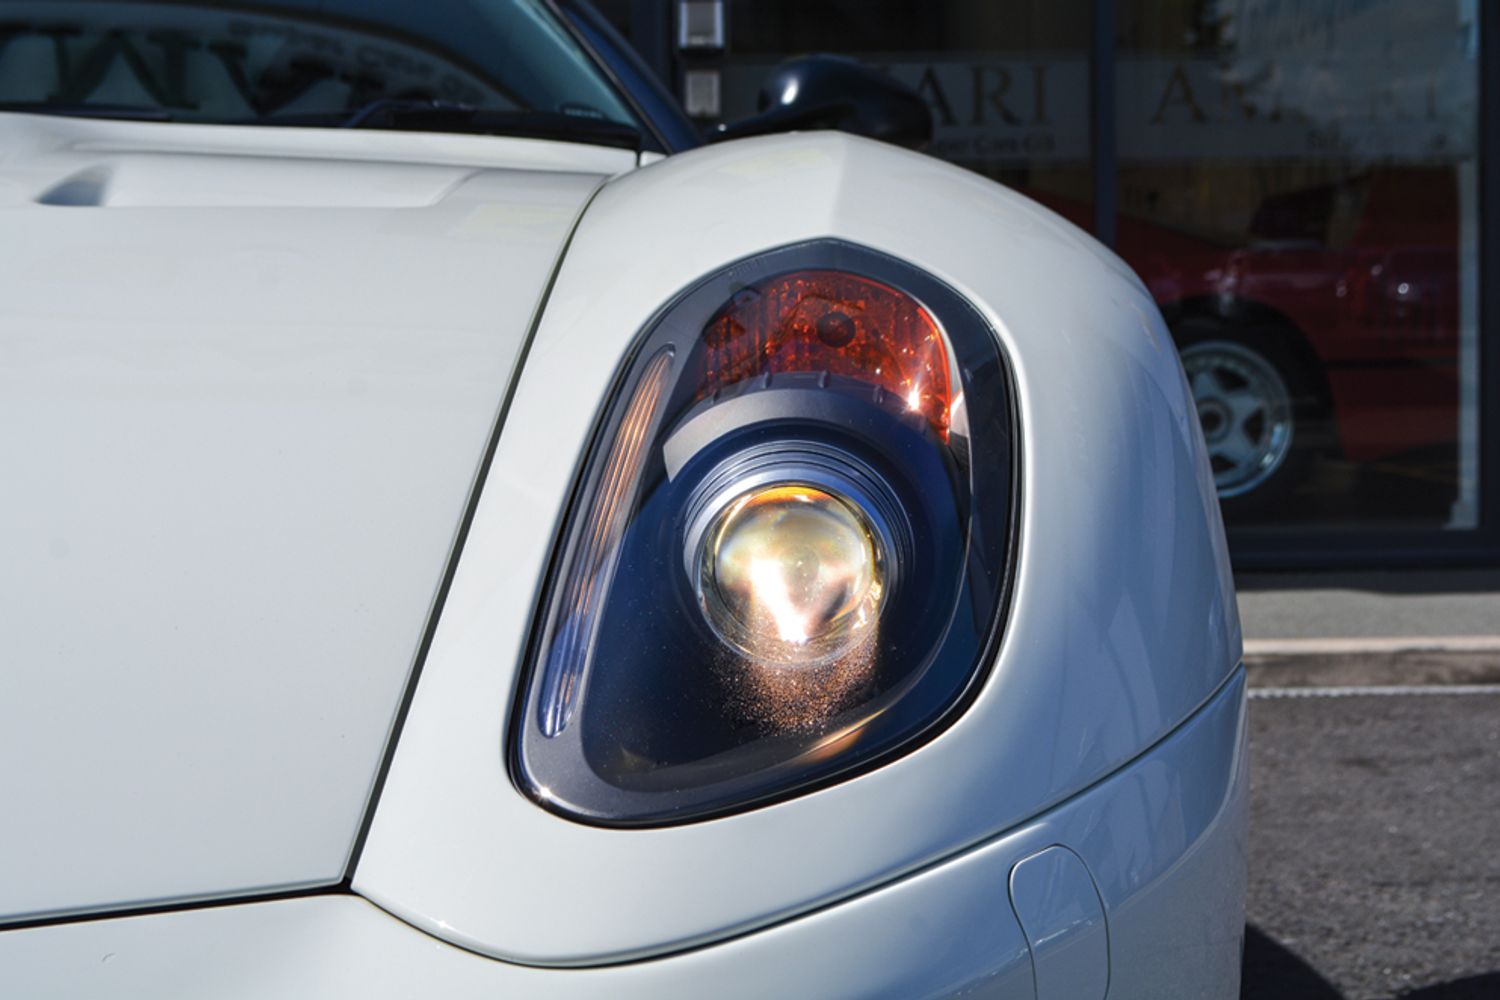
x: 786, y: 559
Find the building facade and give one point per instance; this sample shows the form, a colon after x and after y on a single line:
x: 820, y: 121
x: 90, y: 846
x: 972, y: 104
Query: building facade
x: 1304, y: 185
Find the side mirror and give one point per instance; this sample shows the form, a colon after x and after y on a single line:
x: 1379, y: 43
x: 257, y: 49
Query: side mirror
x: 825, y: 91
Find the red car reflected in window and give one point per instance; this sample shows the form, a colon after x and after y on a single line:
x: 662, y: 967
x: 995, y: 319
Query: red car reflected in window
x: 1331, y: 331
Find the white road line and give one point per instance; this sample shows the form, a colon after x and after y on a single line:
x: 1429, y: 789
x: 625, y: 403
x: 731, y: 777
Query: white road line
x: 1374, y: 691
x: 1374, y: 644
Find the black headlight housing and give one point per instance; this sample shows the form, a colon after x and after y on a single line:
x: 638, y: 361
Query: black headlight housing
x: 787, y: 556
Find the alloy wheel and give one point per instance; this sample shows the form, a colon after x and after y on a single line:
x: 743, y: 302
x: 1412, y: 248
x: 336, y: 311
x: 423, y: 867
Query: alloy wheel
x: 1246, y: 412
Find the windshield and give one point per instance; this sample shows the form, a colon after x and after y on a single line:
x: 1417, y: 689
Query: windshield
x: 311, y: 62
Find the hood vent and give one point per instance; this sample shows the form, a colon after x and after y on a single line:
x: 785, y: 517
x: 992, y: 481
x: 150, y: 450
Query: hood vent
x: 196, y: 180
x: 87, y: 187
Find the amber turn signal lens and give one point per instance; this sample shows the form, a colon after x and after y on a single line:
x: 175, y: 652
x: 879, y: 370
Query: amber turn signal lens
x: 844, y: 324
x: 792, y: 574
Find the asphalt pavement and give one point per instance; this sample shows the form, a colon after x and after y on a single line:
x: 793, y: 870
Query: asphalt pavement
x: 1375, y: 846
x: 1375, y: 789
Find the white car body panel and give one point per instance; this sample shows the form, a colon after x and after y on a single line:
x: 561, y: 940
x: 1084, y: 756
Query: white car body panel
x: 247, y: 379
x: 239, y: 433
x: 1164, y: 838
x: 1122, y: 623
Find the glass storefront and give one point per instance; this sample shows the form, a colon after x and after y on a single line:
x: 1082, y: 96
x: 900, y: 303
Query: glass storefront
x: 1297, y: 184
x: 1297, y: 181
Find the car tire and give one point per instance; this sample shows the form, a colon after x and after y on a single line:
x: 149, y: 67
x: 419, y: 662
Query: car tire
x: 1260, y: 410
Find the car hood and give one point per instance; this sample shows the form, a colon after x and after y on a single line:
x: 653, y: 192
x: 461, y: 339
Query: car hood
x: 247, y: 380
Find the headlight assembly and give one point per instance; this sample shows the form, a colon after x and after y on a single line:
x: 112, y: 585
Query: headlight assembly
x: 787, y: 554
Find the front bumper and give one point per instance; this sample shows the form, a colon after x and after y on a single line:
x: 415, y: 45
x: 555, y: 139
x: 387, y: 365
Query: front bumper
x: 1163, y: 838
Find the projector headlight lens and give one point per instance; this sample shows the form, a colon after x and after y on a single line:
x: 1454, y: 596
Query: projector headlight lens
x: 792, y: 574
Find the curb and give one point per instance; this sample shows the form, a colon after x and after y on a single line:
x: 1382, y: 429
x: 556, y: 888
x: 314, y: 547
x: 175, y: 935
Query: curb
x: 1403, y: 661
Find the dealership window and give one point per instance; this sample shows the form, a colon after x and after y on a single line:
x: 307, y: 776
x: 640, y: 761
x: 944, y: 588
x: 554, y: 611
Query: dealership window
x: 1297, y: 181
x: 1297, y: 184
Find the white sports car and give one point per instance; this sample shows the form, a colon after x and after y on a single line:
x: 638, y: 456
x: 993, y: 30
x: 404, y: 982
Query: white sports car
x: 460, y: 541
